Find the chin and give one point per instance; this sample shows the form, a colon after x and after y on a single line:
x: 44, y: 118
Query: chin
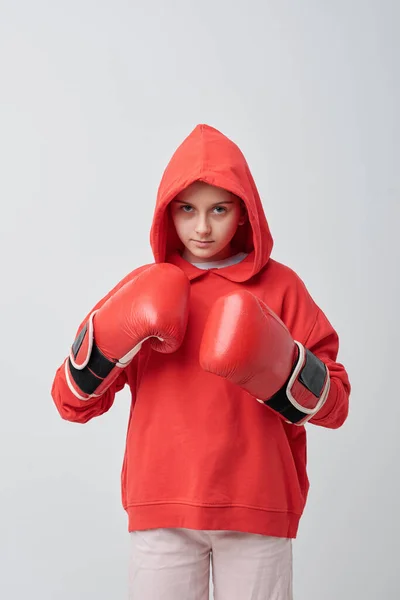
x: 204, y: 252
x: 209, y: 254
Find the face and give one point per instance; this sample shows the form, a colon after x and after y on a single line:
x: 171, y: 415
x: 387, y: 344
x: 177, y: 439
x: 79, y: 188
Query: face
x: 206, y: 219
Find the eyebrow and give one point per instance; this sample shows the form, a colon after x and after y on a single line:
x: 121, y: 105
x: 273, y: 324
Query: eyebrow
x: 216, y: 203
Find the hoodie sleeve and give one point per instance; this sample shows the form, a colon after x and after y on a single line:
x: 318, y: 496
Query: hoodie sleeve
x: 81, y: 411
x: 310, y: 326
x: 323, y: 341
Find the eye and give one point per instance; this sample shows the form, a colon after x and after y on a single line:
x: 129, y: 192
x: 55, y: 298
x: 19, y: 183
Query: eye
x: 186, y: 208
x: 220, y: 210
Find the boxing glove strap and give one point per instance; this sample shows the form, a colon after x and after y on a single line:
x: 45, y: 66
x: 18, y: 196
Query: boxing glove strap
x: 306, y: 390
x: 88, y: 366
x: 89, y: 378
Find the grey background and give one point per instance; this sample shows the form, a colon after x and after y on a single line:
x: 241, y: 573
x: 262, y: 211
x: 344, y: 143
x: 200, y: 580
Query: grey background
x: 95, y: 97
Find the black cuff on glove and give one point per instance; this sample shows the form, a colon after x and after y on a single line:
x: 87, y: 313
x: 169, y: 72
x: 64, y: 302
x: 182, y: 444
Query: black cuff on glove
x: 305, y: 391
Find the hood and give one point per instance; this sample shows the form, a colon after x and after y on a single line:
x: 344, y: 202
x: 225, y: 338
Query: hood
x: 208, y: 155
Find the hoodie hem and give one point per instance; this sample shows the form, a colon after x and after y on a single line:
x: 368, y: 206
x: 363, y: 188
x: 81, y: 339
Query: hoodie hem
x: 222, y: 518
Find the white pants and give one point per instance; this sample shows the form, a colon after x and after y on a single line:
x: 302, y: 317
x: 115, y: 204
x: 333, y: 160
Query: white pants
x: 174, y: 564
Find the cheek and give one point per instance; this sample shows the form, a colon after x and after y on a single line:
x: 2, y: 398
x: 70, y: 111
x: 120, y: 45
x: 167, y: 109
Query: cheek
x: 180, y: 223
x: 230, y: 226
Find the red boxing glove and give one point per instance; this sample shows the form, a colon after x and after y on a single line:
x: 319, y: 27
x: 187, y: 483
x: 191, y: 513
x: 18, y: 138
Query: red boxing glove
x: 246, y: 342
x: 154, y: 304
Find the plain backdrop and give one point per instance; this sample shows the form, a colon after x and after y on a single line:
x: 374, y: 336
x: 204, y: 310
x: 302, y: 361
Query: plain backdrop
x: 94, y: 99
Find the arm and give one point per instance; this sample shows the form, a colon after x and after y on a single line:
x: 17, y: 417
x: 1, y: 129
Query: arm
x: 148, y: 305
x: 309, y: 325
x: 323, y: 341
x: 290, y: 366
x: 72, y: 409
x: 69, y: 406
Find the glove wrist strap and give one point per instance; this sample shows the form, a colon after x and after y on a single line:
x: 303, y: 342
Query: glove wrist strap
x: 306, y: 390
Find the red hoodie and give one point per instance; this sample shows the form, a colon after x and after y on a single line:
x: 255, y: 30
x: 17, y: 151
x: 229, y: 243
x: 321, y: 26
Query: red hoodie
x: 201, y: 452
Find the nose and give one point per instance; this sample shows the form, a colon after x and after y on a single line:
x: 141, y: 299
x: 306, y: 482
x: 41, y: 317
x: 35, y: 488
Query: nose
x: 202, y: 227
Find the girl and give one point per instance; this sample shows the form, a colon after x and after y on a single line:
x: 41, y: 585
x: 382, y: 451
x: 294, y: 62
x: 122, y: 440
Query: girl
x: 210, y: 474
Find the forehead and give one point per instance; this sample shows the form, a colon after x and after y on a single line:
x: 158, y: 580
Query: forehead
x: 201, y: 193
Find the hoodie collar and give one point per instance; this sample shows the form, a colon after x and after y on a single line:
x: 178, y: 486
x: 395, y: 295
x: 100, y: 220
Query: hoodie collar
x: 238, y: 272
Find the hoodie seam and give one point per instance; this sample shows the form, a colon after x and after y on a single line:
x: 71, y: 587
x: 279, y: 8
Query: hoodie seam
x: 202, y: 150
x: 212, y: 505
x: 312, y: 327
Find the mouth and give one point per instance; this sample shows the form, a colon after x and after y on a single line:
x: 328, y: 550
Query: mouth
x: 202, y: 244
